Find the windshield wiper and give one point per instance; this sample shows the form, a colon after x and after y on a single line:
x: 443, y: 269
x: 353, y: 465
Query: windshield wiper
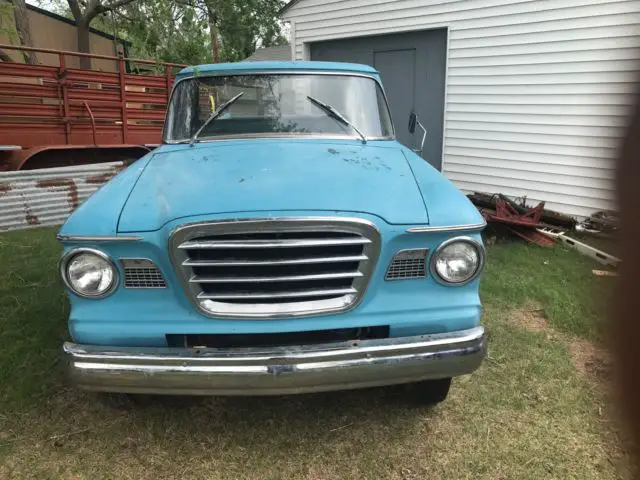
x: 333, y: 113
x: 213, y: 116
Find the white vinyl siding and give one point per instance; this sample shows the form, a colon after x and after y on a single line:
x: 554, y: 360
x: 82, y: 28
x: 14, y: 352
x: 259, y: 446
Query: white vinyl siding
x: 537, y: 94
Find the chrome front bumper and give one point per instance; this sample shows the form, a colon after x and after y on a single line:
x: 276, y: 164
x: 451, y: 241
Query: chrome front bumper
x: 275, y: 371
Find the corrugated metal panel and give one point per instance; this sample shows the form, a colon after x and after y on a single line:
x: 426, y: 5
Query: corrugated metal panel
x: 33, y: 198
x: 538, y: 91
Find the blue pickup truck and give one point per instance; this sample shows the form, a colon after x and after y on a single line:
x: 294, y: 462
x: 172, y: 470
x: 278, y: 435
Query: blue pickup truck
x: 279, y: 241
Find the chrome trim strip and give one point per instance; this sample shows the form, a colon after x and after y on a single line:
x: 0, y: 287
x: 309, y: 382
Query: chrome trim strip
x: 275, y: 370
x: 296, y: 294
x: 288, y: 243
x: 299, y: 261
x: 278, y: 136
x: 473, y: 227
x: 137, y: 262
x: 64, y: 261
x: 98, y: 238
x: 217, y: 309
x: 288, y: 278
x: 481, y: 253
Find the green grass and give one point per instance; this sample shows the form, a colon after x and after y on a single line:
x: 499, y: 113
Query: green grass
x: 33, y: 311
x: 561, y: 280
x: 527, y: 413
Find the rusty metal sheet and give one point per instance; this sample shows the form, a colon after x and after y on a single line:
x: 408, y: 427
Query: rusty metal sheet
x: 33, y: 198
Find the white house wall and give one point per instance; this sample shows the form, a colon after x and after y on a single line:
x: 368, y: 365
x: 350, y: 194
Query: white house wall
x: 537, y: 90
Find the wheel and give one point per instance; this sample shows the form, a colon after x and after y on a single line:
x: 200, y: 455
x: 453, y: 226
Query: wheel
x: 429, y: 392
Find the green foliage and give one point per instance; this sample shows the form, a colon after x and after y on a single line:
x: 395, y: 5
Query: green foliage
x: 179, y: 31
x: 7, y: 24
x: 575, y: 301
x: 165, y: 31
x: 243, y: 25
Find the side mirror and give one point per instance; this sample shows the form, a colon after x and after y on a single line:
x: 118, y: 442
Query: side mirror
x: 413, y: 118
x: 413, y: 121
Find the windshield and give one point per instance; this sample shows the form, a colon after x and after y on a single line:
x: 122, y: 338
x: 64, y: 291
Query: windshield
x: 277, y: 105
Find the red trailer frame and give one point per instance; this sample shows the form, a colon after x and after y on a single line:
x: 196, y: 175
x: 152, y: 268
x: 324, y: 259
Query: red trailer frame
x: 54, y: 116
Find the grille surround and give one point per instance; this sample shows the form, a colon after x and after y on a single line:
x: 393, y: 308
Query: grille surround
x: 317, y: 232
x: 141, y: 273
x: 409, y: 264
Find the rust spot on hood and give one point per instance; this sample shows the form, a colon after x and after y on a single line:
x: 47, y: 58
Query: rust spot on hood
x: 70, y: 185
x: 4, y: 189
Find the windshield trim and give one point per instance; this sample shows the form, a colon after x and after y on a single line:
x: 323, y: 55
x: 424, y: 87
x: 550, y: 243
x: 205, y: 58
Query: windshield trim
x: 274, y: 135
x: 276, y: 72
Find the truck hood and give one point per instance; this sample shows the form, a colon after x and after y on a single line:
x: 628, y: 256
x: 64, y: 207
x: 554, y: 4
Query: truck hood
x: 274, y: 175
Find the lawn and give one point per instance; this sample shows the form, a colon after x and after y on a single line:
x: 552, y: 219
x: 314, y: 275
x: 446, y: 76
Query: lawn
x: 538, y: 408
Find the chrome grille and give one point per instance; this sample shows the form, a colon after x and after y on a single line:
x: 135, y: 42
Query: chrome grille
x: 408, y: 264
x: 279, y: 267
x: 141, y: 273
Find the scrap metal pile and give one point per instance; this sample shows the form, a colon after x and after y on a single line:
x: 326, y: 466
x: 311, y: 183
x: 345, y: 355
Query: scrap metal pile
x: 535, y: 225
x: 545, y: 227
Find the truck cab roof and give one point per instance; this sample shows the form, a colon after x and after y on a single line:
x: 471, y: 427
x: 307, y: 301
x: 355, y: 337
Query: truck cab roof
x: 261, y: 67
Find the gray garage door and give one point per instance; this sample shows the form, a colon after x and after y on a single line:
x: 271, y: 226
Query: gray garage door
x: 412, y: 67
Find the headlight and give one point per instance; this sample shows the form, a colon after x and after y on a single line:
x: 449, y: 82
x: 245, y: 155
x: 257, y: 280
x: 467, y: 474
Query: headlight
x: 88, y: 272
x: 457, y: 261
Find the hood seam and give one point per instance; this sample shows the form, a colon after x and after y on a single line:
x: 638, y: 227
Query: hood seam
x: 124, y: 204
x: 415, y: 179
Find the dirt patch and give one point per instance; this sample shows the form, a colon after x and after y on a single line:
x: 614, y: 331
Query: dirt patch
x: 531, y: 317
x: 590, y: 359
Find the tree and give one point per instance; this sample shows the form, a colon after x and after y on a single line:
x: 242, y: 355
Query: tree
x: 24, y: 31
x: 195, y: 31
x: 246, y: 24
x: 7, y: 27
x: 83, y: 13
x: 161, y: 30
x: 18, y: 26
x: 236, y: 27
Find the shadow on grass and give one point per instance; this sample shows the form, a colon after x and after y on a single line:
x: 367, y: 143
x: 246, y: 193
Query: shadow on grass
x: 238, y: 437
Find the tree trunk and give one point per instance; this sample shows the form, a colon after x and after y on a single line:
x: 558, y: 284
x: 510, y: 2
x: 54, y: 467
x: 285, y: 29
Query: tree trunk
x: 215, y: 43
x: 22, y: 27
x: 84, y: 43
x: 4, y: 57
x: 213, y: 31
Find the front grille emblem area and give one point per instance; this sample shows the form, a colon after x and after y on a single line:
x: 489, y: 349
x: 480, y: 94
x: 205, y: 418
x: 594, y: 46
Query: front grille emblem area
x: 279, y: 267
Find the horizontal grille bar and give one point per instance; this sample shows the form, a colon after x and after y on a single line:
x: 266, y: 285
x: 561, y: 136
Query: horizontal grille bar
x: 285, y: 243
x: 289, y: 294
x: 275, y: 267
x: 282, y: 261
x: 287, y: 278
